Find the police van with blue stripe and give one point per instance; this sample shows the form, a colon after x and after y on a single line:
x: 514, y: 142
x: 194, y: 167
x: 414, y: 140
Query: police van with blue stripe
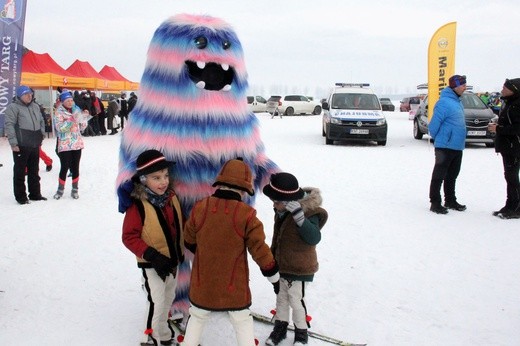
x: 352, y: 112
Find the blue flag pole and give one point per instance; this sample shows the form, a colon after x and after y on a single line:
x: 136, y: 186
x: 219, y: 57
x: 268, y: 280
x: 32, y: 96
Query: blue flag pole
x: 12, y: 24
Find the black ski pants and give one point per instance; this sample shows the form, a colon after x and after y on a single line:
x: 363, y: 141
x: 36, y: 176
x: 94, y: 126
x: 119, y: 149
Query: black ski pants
x: 511, y: 171
x: 27, y: 158
x: 446, y: 170
x: 69, y: 161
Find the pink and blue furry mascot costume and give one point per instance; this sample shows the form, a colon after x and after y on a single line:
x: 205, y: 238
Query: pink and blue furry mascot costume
x: 192, y: 107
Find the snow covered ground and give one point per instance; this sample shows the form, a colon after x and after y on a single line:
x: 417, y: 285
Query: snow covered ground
x: 391, y: 272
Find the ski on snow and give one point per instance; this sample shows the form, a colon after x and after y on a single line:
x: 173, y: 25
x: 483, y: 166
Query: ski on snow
x: 264, y: 319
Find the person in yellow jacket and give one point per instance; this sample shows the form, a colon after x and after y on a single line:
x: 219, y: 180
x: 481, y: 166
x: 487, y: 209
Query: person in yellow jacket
x: 152, y: 230
x: 220, y: 231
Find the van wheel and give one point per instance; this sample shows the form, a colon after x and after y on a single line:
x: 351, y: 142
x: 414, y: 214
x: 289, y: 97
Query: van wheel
x: 328, y: 141
x: 382, y: 143
x: 317, y: 110
x: 289, y: 111
x: 417, y: 134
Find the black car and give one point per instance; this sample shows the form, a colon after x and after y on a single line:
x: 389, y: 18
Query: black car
x: 386, y: 104
x: 477, y: 114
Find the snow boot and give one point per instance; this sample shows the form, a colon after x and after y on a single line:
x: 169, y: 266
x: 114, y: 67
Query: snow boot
x: 300, y: 336
x: 504, y: 209
x: 455, y: 206
x: 59, y: 193
x: 437, y: 208
x: 278, y: 334
x: 511, y: 214
x: 74, y: 193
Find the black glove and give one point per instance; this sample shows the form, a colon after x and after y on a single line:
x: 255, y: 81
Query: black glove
x: 273, y: 276
x: 191, y: 247
x: 161, y: 264
x: 276, y: 287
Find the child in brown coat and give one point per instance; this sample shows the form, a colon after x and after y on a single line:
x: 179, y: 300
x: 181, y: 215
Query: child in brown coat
x: 220, y: 231
x: 298, y: 221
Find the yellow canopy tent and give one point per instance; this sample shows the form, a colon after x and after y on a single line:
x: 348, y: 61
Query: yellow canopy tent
x: 85, y: 70
x: 111, y: 73
x: 41, y: 71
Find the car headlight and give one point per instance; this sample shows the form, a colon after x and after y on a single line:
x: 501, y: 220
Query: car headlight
x: 335, y: 120
x: 381, y: 122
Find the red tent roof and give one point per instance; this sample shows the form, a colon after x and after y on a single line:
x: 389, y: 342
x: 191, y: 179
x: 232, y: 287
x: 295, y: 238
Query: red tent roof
x: 83, y: 69
x: 42, y: 63
x: 111, y: 73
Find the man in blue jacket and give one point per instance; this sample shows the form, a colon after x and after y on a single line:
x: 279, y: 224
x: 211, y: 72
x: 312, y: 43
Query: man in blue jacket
x: 448, y: 130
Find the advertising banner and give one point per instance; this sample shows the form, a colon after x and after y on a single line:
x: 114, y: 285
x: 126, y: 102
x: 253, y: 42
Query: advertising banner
x: 12, y: 23
x: 441, y: 62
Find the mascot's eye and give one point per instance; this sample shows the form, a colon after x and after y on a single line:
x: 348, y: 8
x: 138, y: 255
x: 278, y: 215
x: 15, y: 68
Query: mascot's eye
x: 201, y: 42
x: 226, y: 45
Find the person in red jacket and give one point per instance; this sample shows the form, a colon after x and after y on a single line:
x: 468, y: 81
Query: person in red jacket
x: 220, y: 231
x: 152, y: 231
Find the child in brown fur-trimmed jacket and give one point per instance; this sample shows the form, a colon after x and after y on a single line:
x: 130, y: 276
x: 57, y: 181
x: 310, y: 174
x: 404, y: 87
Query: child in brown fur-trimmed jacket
x: 298, y: 221
x: 220, y: 231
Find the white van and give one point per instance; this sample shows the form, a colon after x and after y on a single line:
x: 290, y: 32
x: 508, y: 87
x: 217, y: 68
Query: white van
x: 257, y: 104
x: 353, y: 112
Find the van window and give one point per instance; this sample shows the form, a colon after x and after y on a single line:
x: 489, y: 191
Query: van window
x: 355, y: 101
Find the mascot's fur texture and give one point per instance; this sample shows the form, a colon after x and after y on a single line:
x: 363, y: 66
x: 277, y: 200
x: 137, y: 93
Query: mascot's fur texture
x: 192, y: 107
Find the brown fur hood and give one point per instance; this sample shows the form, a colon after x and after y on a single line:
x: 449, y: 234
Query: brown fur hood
x: 312, y: 198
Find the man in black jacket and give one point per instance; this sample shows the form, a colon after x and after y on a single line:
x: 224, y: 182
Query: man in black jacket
x: 507, y: 143
x: 132, y: 102
x: 123, y: 111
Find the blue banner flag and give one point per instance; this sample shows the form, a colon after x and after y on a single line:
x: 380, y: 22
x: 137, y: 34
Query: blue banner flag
x: 12, y: 23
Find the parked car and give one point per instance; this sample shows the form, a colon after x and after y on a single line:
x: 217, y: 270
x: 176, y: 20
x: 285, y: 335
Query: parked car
x: 257, y: 104
x: 404, y: 105
x: 414, y: 103
x: 293, y: 104
x: 408, y: 103
x: 386, y: 104
x: 353, y: 112
x: 477, y: 115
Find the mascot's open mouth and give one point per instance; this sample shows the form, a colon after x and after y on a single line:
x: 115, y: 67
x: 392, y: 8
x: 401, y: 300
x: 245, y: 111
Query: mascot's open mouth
x: 210, y: 75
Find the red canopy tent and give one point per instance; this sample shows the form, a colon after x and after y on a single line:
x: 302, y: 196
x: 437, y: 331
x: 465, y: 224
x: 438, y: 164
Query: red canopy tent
x: 111, y: 73
x: 41, y: 71
x: 85, y: 70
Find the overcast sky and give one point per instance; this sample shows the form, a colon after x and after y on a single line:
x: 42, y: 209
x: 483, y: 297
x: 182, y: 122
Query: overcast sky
x: 295, y: 45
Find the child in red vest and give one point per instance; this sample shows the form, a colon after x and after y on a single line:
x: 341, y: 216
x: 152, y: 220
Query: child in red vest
x: 152, y: 230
